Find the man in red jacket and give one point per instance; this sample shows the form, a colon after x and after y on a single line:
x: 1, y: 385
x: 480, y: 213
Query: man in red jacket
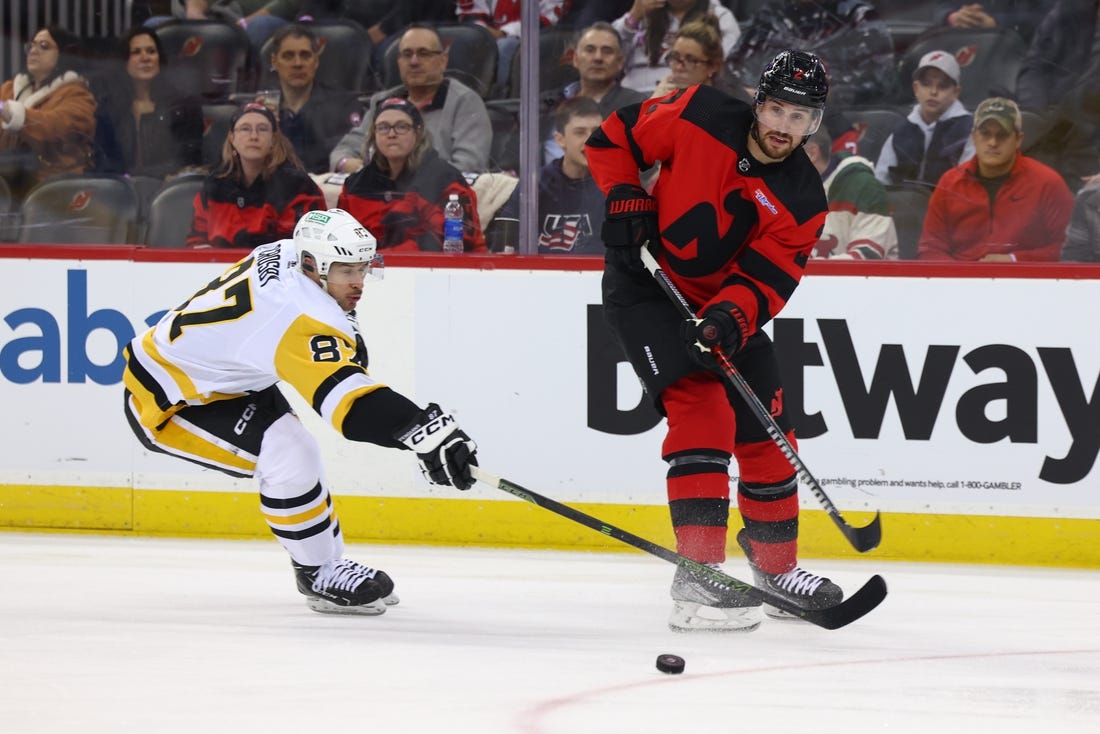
x: 1000, y: 206
x: 734, y: 214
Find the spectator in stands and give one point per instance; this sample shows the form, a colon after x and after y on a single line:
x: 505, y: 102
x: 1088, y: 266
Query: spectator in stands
x: 598, y: 58
x: 453, y: 113
x: 258, y: 192
x: 649, y: 28
x: 583, y: 13
x: 847, y: 35
x: 695, y: 57
x: 400, y: 193
x: 858, y: 225
x: 936, y: 135
x: 1021, y: 16
x: 1063, y: 48
x: 383, y: 22
x: 501, y: 17
x: 145, y: 125
x: 46, y: 111
x: 1000, y: 206
x: 312, y: 116
x: 1082, y: 243
x: 1060, y: 79
x: 571, y: 205
x: 258, y: 18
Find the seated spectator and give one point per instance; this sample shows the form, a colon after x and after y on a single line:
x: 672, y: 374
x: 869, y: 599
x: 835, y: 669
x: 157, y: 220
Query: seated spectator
x: 258, y: 192
x: 1082, y: 243
x: 695, y: 57
x: 383, y: 22
x: 453, y: 113
x: 146, y: 126
x: 598, y: 58
x: 649, y: 28
x: 583, y: 13
x: 312, y: 116
x: 1001, y: 206
x: 858, y: 225
x: 46, y: 111
x: 400, y: 194
x: 501, y: 17
x: 1059, y: 79
x: 1062, y: 49
x: 571, y: 205
x: 847, y: 35
x: 936, y: 134
x: 258, y: 18
x: 1021, y: 16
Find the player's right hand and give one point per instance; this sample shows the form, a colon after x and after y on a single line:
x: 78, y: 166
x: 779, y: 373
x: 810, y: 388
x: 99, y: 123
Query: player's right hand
x: 445, y: 452
x: 716, y: 329
x: 631, y: 217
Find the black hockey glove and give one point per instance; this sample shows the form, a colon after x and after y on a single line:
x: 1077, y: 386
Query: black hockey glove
x: 716, y: 328
x: 630, y: 223
x: 445, y: 452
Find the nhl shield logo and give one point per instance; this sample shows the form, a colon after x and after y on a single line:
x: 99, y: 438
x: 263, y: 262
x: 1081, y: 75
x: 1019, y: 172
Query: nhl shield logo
x: 743, y: 165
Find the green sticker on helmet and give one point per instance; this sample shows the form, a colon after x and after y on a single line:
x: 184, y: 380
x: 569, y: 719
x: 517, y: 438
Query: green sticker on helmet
x: 319, y: 217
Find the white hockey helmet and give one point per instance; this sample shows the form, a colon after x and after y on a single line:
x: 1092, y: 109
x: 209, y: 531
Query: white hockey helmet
x: 334, y: 236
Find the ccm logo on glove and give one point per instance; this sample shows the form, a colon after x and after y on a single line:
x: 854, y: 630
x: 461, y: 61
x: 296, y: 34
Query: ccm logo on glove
x: 445, y: 452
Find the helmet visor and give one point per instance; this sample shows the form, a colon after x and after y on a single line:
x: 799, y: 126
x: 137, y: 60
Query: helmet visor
x: 788, y: 118
x: 360, y: 272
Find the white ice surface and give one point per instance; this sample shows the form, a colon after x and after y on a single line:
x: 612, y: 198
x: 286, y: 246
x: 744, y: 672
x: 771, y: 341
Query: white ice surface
x: 108, y: 634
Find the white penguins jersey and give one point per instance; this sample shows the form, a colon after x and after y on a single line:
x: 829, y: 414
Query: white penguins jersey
x: 260, y: 322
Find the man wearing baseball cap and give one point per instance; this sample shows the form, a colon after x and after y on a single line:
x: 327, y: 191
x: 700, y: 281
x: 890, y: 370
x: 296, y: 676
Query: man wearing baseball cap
x: 1001, y: 206
x: 936, y: 134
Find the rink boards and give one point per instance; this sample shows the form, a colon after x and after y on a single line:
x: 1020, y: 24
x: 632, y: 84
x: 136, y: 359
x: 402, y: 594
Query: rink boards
x: 962, y: 402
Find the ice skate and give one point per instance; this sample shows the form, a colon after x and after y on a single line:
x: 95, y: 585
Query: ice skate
x: 699, y: 604
x: 805, y: 589
x: 345, y: 587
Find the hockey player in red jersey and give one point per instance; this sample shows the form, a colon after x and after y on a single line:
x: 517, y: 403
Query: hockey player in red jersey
x: 733, y: 217
x: 201, y: 385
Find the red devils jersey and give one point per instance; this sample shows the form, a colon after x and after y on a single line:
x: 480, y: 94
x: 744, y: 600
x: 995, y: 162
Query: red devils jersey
x: 732, y: 228
x: 228, y: 214
x: 406, y: 214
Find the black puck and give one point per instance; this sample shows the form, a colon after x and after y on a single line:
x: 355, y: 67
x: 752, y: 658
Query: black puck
x: 671, y: 664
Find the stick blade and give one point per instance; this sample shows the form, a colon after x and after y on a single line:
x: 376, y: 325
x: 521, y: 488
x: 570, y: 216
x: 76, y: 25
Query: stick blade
x: 865, y: 538
x: 869, y: 596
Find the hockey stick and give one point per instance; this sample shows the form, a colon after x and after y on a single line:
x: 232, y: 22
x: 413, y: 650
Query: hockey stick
x: 862, y: 539
x: 867, y: 598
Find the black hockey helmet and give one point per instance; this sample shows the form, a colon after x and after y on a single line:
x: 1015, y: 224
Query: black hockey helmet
x: 793, y: 76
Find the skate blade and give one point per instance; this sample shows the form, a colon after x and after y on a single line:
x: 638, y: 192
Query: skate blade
x: 392, y: 600
x: 370, y: 609
x: 689, y: 616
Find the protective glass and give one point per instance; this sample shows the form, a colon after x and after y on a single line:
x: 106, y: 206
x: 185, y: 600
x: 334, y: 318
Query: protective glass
x: 788, y: 118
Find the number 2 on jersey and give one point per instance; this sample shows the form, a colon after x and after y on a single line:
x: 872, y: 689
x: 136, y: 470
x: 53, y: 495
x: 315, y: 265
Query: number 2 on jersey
x: 237, y: 295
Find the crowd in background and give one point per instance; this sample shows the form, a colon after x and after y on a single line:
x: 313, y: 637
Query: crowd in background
x: 954, y: 130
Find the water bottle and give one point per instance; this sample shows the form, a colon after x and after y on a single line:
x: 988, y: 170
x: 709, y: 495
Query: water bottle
x: 452, y: 225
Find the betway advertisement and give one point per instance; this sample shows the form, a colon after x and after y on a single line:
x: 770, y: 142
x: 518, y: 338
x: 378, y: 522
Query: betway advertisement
x: 968, y: 395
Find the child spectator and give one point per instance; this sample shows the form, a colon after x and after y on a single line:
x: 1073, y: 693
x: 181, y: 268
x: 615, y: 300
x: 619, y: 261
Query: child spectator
x: 1000, y: 206
x: 571, y: 205
x: 258, y: 192
x: 936, y: 134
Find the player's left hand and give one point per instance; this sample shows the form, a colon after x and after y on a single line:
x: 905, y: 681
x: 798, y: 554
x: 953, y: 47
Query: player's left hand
x: 445, y: 452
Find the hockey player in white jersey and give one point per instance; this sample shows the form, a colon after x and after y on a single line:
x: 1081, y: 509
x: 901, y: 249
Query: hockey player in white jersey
x: 201, y: 385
